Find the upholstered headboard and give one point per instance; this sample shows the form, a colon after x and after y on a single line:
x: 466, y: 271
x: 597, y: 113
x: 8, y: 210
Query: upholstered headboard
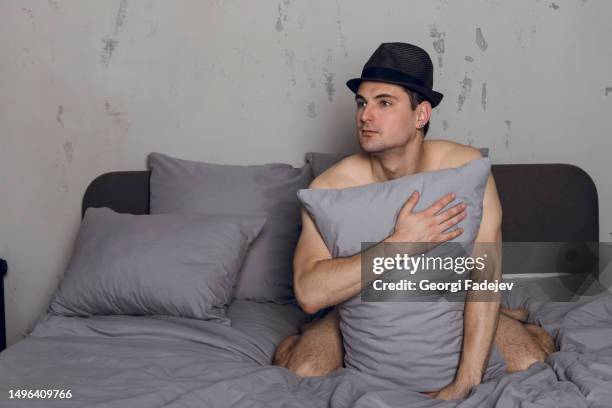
x: 540, y: 202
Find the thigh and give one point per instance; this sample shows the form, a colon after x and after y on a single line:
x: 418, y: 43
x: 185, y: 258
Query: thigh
x: 322, y: 337
x: 516, y: 344
x: 284, y: 350
x: 318, y: 350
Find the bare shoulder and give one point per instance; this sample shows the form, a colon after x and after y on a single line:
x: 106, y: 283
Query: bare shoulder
x: 345, y: 173
x: 453, y: 154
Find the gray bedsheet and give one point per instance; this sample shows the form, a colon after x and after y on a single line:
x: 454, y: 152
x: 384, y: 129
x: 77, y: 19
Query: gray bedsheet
x: 121, y: 361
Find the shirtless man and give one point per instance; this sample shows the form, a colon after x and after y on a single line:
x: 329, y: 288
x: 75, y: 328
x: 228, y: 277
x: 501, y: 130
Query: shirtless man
x: 394, y: 98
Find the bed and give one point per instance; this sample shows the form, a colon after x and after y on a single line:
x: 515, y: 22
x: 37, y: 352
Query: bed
x: 171, y: 361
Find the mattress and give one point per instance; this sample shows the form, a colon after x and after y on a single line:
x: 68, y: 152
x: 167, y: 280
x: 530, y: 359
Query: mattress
x: 156, y: 361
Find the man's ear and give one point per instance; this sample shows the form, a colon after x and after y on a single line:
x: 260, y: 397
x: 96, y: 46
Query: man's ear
x: 423, y: 112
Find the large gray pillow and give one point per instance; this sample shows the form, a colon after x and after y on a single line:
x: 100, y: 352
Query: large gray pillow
x: 178, y: 265
x: 414, y: 344
x: 183, y: 186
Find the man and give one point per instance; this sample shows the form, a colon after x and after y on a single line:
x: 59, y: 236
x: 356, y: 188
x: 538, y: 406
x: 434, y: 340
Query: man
x: 394, y: 98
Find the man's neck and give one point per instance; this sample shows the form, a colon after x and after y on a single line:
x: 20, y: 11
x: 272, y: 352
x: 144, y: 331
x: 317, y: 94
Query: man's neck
x: 392, y: 164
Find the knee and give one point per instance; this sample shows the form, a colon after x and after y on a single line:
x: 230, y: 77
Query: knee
x: 304, y: 363
x: 526, y: 359
x: 306, y: 368
x: 537, y: 356
x: 284, y: 351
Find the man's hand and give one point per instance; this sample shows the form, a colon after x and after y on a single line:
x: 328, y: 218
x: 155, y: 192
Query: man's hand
x: 452, y: 391
x: 428, y: 226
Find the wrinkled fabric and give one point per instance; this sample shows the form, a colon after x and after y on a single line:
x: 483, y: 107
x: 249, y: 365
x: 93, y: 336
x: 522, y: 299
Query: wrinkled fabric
x: 120, y: 361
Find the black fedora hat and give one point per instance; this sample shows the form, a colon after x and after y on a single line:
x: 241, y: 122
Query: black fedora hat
x: 400, y: 64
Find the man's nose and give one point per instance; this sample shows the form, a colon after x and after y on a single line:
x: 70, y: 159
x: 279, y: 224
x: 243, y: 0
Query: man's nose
x: 366, y: 114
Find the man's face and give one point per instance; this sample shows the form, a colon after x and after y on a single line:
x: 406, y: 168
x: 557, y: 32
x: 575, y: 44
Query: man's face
x: 384, y: 117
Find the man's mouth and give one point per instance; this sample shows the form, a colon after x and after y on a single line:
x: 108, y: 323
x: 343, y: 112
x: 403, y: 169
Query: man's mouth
x: 368, y: 131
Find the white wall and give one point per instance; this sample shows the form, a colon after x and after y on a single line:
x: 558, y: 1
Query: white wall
x: 91, y: 87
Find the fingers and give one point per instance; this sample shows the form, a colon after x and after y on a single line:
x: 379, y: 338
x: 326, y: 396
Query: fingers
x: 440, y: 204
x: 450, y: 235
x: 451, y: 212
x: 411, y: 202
x: 429, y: 225
x: 451, y: 222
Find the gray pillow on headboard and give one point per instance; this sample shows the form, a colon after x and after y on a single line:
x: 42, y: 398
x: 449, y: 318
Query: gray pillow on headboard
x: 185, y: 186
x: 413, y: 344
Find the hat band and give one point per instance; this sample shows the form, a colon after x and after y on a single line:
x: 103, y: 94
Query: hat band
x: 389, y: 74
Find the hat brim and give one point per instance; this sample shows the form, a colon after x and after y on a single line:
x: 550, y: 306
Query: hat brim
x: 430, y: 95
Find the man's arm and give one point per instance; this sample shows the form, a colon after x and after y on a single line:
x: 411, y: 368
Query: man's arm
x: 319, y: 280
x: 480, y: 317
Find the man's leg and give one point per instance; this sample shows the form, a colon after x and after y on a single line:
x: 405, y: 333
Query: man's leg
x: 317, y: 351
x: 284, y: 350
x: 521, y: 344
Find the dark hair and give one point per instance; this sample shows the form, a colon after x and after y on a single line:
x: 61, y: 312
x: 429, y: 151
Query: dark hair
x: 415, y: 100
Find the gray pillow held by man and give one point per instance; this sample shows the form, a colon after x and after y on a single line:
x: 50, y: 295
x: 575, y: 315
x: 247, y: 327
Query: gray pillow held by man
x: 415, y: 344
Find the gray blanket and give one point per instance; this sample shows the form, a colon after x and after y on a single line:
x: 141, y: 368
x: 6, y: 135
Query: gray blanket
x: 122, y: 361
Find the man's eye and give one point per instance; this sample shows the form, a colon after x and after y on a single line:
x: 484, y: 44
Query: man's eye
x: 385, y: 103
x: 360, y: 104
